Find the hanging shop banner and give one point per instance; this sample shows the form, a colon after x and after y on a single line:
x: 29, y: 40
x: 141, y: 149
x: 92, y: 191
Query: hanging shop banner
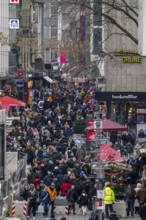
x: 83, y: 22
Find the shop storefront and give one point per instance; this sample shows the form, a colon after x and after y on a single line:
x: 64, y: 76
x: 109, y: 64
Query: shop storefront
x: 125, y: 108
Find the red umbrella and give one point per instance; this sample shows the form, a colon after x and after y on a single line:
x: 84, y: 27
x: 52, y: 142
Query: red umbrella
x: 7, y: 101
x: 106, y: 126
x: 107, y: 153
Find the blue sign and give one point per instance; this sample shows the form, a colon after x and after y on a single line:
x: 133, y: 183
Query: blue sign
x: 103, y: 139
x: 14, y: 24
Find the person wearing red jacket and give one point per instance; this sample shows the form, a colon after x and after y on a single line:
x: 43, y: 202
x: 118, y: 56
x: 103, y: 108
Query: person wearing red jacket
x: 65, y: 186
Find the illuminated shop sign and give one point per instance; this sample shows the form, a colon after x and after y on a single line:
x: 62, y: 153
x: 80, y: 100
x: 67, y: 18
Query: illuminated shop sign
x: 128, y: 56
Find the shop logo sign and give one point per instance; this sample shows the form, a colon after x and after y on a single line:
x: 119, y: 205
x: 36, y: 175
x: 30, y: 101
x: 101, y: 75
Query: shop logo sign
x: 124, y: 97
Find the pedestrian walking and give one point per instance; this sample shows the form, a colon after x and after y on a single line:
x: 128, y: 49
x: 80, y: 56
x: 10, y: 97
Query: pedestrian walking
x: 53, y: 194
x: 130, y: 199
x: 71, y: 198
x: 109, y: 199
x: 32, y: 201
x: 83, y: 203
x: 142, y: 212
x: 45, y: 199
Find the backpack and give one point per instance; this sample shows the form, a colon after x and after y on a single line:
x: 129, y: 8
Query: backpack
x: 70, y: 196
x: 113, y: 216
x: 131, y: 194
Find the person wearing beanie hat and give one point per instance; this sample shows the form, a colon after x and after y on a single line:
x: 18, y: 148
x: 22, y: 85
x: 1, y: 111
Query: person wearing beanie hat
x: 109, y: 199
x: 107, y: 184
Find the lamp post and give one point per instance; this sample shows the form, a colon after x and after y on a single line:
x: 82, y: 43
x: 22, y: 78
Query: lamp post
x: 100, y: 167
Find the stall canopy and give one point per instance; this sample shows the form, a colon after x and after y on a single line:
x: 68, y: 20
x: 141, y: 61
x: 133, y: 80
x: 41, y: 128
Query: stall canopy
x: 106, y: 126
x: 7, y: 101
x: 47, y: 78
x: 107, y: 153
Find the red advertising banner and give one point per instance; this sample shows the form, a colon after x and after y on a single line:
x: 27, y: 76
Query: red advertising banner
x: 14, y: 1
x: 90, y: 123
x: 91, y: 135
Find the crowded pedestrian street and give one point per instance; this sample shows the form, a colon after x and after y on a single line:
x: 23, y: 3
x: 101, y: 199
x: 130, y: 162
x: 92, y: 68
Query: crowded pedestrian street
x: 61, y: 170
x: 72, y: 110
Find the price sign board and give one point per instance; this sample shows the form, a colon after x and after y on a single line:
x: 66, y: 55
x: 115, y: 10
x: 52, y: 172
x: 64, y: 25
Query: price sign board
x: 100, y: 194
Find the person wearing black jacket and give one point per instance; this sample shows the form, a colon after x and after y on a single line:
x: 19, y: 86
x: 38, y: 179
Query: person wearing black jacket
x: 83, y: 202
x: 142, y: 212
x: 32, y: 201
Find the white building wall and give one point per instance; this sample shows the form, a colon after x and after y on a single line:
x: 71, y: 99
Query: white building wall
x: 142, y: 28
x: 4, y: 28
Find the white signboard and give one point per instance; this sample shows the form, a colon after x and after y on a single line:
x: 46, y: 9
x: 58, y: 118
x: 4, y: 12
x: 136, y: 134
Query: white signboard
x: 14, y: 24
x: 100, y: 194
x: 100, y: 205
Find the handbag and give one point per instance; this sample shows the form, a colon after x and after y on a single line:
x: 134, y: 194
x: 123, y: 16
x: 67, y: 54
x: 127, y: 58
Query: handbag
x: 40, y: 209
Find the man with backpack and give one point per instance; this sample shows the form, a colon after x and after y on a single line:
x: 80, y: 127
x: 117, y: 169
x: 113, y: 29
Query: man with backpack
x: 71, y: 198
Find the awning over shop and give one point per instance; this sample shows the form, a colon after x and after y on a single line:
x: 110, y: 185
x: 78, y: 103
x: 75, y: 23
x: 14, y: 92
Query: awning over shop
x: 107, y: 153
x: 7, y: 101
x: 47, y: 78
x: 106, y: 126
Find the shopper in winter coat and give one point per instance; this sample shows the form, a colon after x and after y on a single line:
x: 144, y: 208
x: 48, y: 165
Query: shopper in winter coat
x: 83, y: 202
x: 109, y: 198
x: 53, y: 194
x: 45, y: 199
x: 143, y: 211
x: 32, y: 201
x: 130, y: 199
x: 141, y: 195
x: 65, y: 186
x: 138, y: 187
x: 71, y: 198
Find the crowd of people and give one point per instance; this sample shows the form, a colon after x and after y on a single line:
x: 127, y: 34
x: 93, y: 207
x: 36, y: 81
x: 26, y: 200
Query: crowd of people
x: 59, y: 164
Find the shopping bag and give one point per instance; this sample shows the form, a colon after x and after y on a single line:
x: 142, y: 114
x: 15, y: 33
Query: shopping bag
x: 40, y: 209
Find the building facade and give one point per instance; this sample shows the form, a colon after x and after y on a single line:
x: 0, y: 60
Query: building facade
x: 4, y: 38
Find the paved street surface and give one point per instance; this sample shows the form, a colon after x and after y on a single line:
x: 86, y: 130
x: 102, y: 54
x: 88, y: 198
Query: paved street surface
x: 80, y: 217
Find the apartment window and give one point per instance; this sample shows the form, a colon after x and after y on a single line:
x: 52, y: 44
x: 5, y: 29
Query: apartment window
x: 53, y: 55
x: 54, y: 32
x: 12, y: 11
x: 97, y: 19
x: 46, y: 32
x: 54, y: 11
x: 46, y: 56
x: 97, y: 27
x: 97, y: 40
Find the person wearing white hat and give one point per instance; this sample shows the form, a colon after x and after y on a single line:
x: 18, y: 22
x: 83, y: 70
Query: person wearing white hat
x: 109, y: 199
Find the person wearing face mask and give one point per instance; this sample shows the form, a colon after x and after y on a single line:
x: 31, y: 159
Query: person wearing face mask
x: 32, y: 201
x: 53, y: 194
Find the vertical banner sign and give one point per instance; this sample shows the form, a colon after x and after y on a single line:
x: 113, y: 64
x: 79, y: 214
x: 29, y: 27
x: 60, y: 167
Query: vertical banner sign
x: 83, y: 22
x: 82, y: 30
x: 14, y: 1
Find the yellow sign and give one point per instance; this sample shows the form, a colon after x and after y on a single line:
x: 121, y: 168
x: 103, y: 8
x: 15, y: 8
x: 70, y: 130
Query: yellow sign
x: 129, y: 56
